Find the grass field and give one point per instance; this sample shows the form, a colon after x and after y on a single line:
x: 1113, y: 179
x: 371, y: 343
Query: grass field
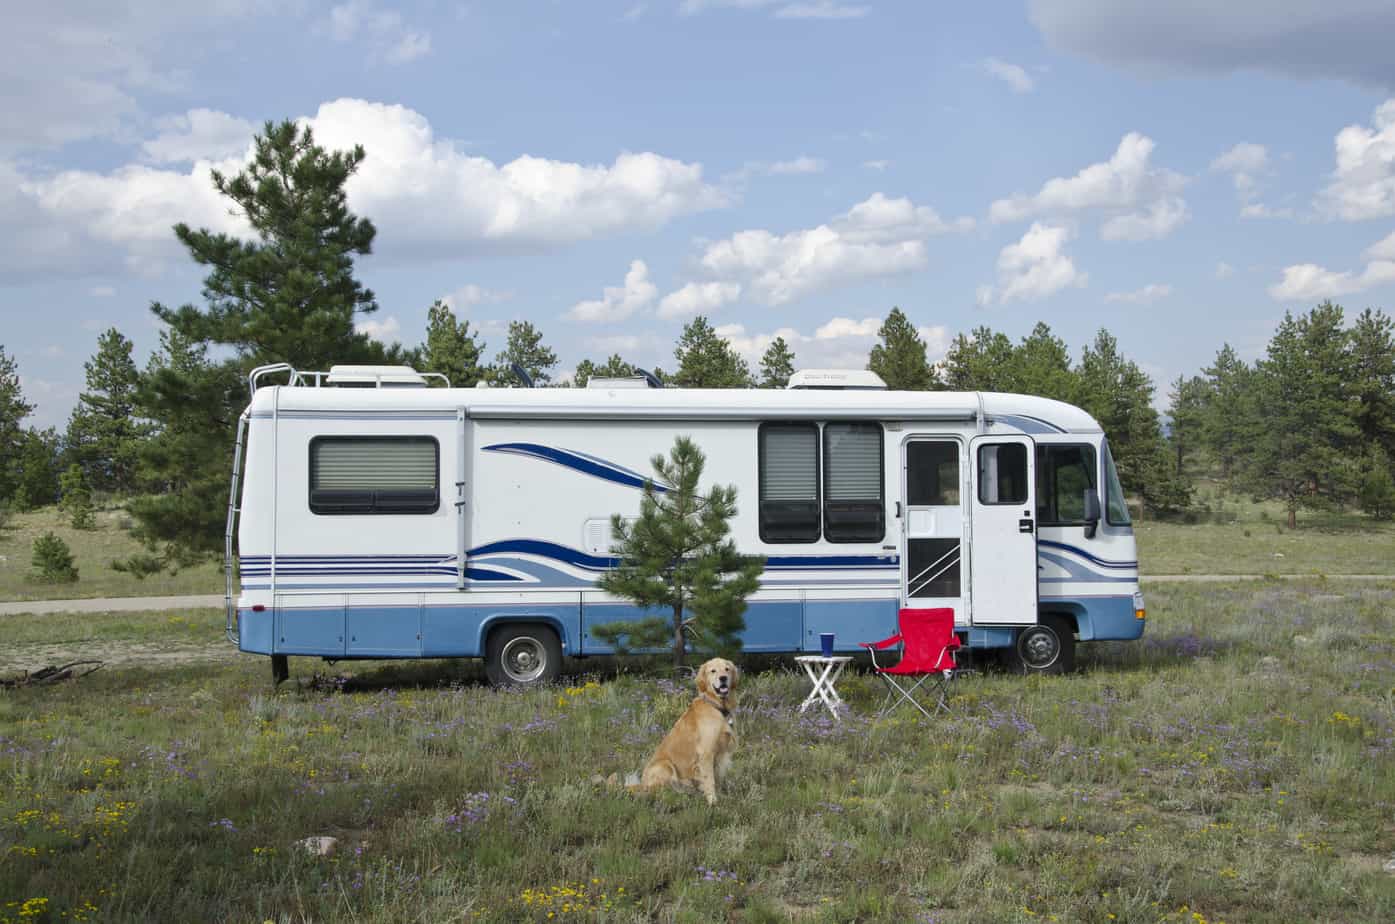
x: 1238, y: 764
x: 93, y: 552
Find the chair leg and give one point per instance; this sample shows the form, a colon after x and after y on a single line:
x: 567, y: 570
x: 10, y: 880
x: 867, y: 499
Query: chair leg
x: 905, y: 693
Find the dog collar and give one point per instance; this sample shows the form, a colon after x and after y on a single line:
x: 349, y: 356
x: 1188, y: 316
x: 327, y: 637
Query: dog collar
x: 726, y: 713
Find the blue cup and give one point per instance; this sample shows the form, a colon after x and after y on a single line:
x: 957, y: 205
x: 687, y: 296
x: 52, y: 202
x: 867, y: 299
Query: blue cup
x: 826, y: 644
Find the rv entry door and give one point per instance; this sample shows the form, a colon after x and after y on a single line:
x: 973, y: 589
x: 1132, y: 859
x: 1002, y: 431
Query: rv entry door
x: 1003, y: 553
x: 933, y: 524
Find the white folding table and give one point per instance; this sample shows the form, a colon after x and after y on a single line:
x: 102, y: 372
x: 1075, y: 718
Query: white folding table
x: 823, y: 674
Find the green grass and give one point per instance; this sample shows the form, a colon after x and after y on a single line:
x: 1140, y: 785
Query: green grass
x: 1238, y: 764
x: 93, y: 552
x: 1244, y: 537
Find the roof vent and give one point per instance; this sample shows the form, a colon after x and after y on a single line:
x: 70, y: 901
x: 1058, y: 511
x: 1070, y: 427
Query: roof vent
x: 837, y: 380
x: 375, y: 377
x: 634, y: 381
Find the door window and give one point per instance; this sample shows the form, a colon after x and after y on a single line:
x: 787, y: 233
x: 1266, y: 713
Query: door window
x: 932, y: 473
x: 1002, y: 473
x: 1064, y: 475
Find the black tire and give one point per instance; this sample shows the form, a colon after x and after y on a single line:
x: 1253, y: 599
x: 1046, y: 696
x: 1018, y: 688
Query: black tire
x: 1046, y: 648
x: 522, y: 655
x: 280, y: 669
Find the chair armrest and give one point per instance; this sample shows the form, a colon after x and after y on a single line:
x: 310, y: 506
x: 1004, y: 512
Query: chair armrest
x: 883, y: 644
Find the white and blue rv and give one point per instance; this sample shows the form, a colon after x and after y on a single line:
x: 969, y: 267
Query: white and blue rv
x: 377, y: 517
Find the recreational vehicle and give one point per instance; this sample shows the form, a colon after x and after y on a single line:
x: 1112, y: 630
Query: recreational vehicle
x: 377, y: 516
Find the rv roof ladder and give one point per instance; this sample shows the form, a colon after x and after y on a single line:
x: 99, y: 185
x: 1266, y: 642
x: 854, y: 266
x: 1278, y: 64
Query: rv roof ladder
x: 231, y: 629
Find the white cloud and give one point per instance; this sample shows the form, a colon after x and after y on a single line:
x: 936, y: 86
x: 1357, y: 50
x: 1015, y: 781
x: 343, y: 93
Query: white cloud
x: 101, y: 291
x: 1307, y: 282
x: 1224, y: 270
x: 1383, y: 249
x: 390, y: 38
x: 1363, y: 185
x: 387, y: 329
x: 698, y: 298
x: 1033, y: 268
x: 428, y: 199
x: 801, y: 164
x: 633, y: 13
x: 821, y: 9
x: 1260, y: 210
x: 469, y: 295
x: 1345, y: 39
x: 75, y: 71
x: 1011, y: 74
x: 878, y: 165
x: 782, y: 9
x: 876, y: 237
x: 199, y: 134
x: 1144, y: 296
x: 619, y: 302
x: 1143, y: 200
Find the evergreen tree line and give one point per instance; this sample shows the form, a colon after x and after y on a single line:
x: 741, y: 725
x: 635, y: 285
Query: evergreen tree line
x: 1311, y: 424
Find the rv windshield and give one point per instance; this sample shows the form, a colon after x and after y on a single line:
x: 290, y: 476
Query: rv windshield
x: 1116, y: 511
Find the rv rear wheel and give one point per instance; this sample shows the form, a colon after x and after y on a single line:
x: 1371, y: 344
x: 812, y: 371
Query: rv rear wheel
x: 1046, y: 648
x: 522, y: 655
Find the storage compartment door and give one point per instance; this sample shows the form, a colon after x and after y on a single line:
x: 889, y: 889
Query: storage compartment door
x: 310, y: 624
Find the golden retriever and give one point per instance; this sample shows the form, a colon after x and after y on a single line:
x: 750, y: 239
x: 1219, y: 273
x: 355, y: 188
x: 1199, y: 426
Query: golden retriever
x: 696, y: 753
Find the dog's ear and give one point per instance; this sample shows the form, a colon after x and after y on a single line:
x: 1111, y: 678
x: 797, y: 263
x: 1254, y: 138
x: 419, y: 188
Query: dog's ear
x: 735, y: 673
x: 702, y: 684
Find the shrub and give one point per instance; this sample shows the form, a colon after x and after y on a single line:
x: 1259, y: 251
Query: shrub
x: 77, y: 498
x: 53, y: 561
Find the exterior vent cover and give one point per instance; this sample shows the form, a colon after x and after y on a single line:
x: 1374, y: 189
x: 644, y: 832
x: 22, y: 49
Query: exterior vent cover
x: 837, y: 380
x: 596, y: 381
x: 375, y: 377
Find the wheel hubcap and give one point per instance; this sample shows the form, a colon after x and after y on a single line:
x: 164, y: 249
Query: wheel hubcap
x: 1040, y: 648
x: 524, y: 660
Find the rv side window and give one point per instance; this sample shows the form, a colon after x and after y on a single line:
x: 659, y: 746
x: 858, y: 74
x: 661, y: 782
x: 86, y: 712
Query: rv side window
x: 1064, y: 474
x: 853, y: 508
x: 789, y: 482
x: 374, y: 474
x: 1002, y: 473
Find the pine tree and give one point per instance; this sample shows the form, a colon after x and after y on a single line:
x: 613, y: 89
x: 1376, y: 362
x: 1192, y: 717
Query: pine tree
x: 104, y: 435
x: 184, y: 466
x: 1302, y: 453
x: 35, y: 469
x: 1376, y: 488
x: 77, y: 498
x: 1043, y: 367
x: 1372, y: 380
x: 777, y: 365
x: 1120, y: 396
x: 678, y: 556
x: 286, y: 295
x: 1230, y: 419
x: 612, y: 368
x: 525, y: 348
x: 1187, y: 412
x: 13, y: 410
x: 705, y: 360
x: 451, y: 348
x: 900, y: 358
x: 982, y: 361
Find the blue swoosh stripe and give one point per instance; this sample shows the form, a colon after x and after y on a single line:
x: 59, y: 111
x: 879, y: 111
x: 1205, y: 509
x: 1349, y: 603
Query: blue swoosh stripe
x: 1086, y: 555
x: 587, y: 465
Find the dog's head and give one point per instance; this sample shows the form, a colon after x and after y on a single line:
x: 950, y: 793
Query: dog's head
x: 717, y: 678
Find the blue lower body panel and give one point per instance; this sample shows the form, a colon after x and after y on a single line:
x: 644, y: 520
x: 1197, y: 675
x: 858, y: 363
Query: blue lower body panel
x: 851, y: 622
x: 1099, y: 618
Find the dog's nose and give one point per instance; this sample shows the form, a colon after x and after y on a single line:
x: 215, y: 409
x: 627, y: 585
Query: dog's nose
x: 722, y: 680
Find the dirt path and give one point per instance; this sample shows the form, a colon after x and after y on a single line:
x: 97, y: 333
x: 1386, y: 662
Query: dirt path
x: 112, y: 604
x: 15, y: 659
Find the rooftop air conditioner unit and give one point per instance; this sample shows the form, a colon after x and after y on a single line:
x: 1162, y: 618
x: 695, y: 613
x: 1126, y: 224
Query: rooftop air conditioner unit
x: 837, y: 380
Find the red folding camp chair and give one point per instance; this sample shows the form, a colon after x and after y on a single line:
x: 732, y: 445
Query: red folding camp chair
x: 928, y: 643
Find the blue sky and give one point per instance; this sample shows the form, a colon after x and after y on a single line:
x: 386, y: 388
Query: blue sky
x: 1177, y: 173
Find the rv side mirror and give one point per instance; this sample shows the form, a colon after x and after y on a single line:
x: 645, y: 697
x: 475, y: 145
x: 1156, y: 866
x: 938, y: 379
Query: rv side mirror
x: 1092, y: 512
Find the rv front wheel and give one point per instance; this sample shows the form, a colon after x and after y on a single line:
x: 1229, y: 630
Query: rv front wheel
x: 522, y: 654
x: 1046, y: 648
